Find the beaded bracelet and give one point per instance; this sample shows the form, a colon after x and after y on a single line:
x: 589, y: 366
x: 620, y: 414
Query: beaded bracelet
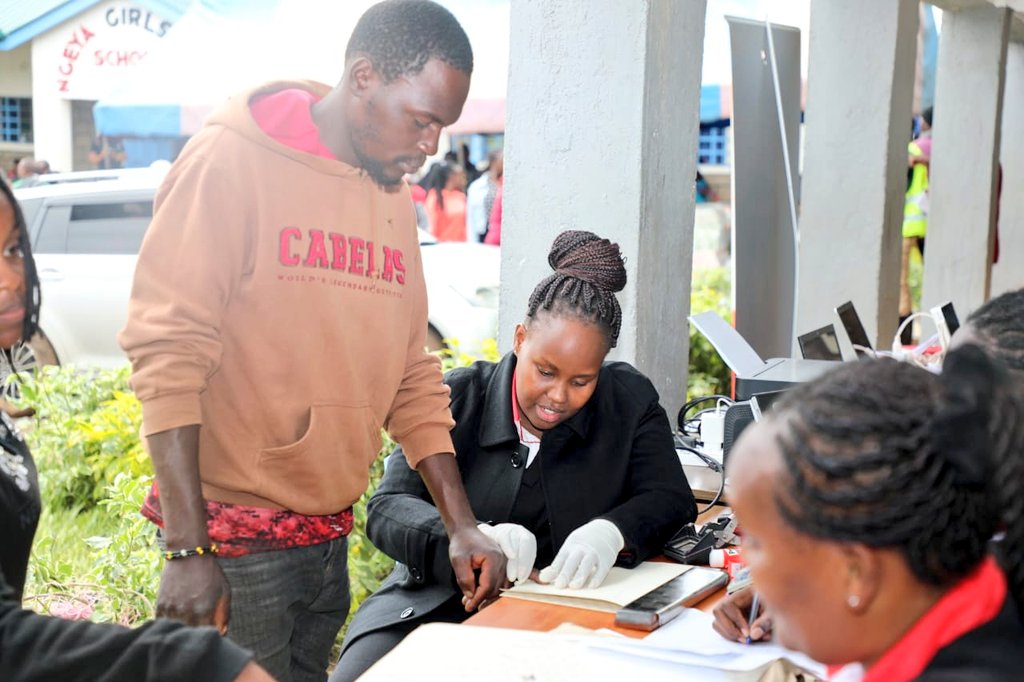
x: 185, y: 553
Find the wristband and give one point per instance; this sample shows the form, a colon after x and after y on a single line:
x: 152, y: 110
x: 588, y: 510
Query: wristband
x: 185, y: 553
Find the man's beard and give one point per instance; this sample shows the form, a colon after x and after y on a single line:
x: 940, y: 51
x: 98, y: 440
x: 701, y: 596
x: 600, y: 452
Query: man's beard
x: 375, y: 169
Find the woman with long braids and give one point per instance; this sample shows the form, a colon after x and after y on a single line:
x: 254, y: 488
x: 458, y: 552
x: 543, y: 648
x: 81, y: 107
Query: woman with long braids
x: 868, y: 501
x: 37, y: 647
x: 568, y: 461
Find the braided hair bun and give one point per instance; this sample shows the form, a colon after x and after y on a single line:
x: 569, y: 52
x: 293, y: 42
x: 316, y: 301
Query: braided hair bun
x: 590, y: 258
x: 589, y: 271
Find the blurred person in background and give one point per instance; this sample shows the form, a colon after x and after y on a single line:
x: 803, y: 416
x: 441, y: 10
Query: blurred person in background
x: 480, y: 197
x: 107, y: 152
x: 446, y: 202
x: 28, y: 172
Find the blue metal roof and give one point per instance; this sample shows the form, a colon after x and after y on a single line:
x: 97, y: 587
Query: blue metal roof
x: 21, y: 21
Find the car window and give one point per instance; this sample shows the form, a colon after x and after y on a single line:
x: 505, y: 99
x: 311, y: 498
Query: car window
x: 52, y: 237
x: 29, y: 209
x: 114, y: 228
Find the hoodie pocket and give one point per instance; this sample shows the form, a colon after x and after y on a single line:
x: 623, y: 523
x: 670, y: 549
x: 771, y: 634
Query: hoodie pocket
x: 326, y: 470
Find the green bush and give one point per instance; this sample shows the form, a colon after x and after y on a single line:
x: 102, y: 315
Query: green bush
x: 708, y: 374
x: 86, y: 433
x: 93, y: 547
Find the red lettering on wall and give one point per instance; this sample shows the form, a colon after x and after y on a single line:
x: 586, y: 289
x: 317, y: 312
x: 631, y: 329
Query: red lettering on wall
x: 317, y: 255
x: 356, y: 251
x: 78, y: 39
x: 118, y: 57
x: 284, y: 250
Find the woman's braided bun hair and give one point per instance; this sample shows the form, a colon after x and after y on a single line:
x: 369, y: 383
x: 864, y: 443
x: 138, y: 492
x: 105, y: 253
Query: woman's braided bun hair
x: 588, y: 272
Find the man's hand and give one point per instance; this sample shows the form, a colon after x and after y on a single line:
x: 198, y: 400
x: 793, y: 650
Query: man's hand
x: 732, y: 614
x: 586, y: 556
x: 479, y: 566
x: 195, y: 591
x: 478, y: 561
x: 519, y: 546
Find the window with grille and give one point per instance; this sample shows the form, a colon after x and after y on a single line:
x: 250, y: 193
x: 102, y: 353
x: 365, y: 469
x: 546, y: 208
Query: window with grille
x: 712, y: 148
x: 15, y: 119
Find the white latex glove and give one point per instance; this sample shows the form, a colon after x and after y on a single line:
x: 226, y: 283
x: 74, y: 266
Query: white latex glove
x: 519, y: 546
x: 587, y: 555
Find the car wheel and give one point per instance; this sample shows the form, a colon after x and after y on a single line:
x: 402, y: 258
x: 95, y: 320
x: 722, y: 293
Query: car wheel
x: 21, y: 358
x: 434, y: 340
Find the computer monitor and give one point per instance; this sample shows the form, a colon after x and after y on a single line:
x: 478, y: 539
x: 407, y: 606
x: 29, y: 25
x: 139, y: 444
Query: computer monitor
x: 855, y: 329
x: 820, y: 344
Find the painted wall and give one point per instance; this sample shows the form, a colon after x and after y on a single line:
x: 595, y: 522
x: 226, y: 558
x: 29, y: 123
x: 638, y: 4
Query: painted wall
x: 16, y: 72
x: 84, y: 59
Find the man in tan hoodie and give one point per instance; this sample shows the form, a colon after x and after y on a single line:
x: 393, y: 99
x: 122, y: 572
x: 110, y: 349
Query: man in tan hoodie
x: 277, y: 322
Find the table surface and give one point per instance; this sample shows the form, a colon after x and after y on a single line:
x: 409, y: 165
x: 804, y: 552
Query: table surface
x: 520, y: 614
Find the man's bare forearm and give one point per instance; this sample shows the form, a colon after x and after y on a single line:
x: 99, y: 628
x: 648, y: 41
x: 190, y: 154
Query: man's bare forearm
x: 175, y: 454
x: 441, y: 476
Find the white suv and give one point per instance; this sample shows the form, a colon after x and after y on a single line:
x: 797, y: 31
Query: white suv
x: 86, y: 230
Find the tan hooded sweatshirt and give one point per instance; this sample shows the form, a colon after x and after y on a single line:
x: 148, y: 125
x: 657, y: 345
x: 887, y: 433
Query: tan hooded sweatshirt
x: 279, y: 302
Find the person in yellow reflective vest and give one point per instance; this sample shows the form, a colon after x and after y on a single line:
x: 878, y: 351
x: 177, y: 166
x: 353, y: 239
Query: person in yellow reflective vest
x: 915, y: 211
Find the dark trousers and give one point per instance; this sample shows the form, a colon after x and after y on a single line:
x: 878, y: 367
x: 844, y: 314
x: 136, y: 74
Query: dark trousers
x: 907, y: 337
x: 288, y: 606
x: 368, y: 649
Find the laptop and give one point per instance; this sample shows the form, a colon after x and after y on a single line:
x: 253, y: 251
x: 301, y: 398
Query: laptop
x: 855, y: 329
x: 820, y: 344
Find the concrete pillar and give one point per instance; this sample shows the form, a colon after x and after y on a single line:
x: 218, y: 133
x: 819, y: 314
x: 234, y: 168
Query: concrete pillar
x: 859, y: 91
x: 965, y: 153
x: 1008, y: 273
x: 601, y: 134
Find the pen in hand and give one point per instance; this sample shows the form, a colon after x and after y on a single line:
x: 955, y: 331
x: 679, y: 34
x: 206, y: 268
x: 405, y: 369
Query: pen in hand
x: 753, y: 612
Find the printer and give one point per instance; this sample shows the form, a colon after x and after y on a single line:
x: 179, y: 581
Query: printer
x: 754, y: 374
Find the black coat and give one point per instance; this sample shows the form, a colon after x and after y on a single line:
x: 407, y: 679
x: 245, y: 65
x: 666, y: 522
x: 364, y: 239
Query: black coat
x: 614, y: 459
x: 990, y: 653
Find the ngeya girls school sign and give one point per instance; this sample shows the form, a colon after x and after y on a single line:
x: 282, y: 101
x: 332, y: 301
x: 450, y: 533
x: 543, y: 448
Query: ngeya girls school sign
x: 93, y: 52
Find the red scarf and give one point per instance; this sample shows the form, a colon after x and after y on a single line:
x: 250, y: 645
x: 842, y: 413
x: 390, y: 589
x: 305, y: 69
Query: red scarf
x: 974, y: 601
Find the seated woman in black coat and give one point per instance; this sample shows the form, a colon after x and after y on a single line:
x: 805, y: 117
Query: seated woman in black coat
x: 568, y: 461
x: 868, y: 499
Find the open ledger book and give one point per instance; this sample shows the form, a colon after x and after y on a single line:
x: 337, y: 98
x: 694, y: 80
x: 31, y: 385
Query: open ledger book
x: 622, y: 586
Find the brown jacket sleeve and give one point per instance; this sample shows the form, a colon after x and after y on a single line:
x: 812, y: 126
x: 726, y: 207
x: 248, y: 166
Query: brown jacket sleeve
x: 194, y: 253
x: 419, y: 418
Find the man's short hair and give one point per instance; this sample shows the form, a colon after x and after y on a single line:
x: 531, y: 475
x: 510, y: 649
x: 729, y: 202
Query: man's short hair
x: 400, y: 36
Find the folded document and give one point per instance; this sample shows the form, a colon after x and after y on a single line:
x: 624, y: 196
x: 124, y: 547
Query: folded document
x: 621, y: 587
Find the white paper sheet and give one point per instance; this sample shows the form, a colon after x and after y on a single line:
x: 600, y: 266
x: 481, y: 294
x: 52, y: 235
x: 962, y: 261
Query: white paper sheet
x: 689, y: 639
x: 622, y: 586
